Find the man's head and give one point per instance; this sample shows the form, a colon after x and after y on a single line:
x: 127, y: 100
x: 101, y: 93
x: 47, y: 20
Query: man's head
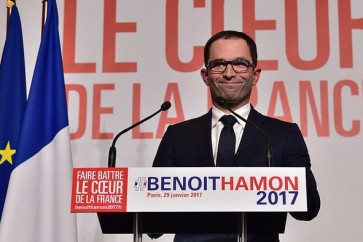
x: 231, y: 34
x: 231, y: 68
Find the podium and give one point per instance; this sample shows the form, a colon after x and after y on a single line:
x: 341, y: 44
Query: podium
x: 199, y: 200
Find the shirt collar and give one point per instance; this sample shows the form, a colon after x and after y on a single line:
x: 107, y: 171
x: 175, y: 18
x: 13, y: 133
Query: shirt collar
x: 243, y: 111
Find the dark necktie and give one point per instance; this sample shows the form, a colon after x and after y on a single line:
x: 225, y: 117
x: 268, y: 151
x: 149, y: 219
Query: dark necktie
x: 227, y: 142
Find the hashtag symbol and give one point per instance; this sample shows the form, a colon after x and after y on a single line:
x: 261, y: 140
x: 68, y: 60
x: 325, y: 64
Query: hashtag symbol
x: 140, y: 183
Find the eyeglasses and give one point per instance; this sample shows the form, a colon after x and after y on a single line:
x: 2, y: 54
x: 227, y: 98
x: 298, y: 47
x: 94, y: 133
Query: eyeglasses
x: 239, y: 65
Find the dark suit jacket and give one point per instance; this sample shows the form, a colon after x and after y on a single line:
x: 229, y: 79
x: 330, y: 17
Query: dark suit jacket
x: 188, y: 144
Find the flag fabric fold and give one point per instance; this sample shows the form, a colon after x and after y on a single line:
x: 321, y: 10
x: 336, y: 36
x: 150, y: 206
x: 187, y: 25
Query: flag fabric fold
x: 12, y: 99
x: 39, y: 192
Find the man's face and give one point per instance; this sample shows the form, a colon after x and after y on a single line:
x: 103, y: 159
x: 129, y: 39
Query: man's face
x: 233, y: 87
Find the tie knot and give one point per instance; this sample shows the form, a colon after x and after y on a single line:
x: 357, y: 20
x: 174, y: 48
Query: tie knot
x: 228, y: 120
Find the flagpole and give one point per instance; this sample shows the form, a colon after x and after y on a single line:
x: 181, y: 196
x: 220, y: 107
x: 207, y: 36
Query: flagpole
x: 44, y: 6
x: 7, y: 19
x: 9, y: 4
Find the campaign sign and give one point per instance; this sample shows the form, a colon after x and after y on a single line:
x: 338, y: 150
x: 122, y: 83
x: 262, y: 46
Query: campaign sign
x: 194, y: 189
x: 233, y: 189
x: 99, y: 190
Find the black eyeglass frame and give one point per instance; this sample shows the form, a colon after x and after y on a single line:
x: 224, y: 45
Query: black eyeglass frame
x: 225, y: 63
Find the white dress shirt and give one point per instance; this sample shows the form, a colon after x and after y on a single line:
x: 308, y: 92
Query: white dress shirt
x: 217, y: 126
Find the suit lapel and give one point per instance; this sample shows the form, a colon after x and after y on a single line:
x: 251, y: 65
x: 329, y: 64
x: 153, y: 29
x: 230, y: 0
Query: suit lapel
x: 203, y: 138
x: 251, y: 140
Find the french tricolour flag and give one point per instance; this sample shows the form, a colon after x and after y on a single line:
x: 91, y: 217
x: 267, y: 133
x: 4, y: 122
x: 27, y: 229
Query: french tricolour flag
x: 37, y: 206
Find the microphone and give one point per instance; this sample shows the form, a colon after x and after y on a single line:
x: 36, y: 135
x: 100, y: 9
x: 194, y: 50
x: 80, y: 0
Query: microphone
x: 112, y: 152
x: 268, y: 152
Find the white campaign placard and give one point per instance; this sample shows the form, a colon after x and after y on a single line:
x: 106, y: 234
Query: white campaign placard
x: 216, y: 189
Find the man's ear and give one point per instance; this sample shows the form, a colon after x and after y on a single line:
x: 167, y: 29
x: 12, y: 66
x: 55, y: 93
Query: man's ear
x: 204, y: 75
x: 256, y: 76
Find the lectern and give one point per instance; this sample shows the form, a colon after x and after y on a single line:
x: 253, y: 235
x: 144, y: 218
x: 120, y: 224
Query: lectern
x: 190, y: 200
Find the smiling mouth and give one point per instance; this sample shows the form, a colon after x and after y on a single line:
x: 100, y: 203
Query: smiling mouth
x: 230, y: 83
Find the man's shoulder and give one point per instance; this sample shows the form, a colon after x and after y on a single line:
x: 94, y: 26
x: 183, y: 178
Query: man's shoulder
x: 204, y: 119
x: 256, y: 115
x: 271, y: 124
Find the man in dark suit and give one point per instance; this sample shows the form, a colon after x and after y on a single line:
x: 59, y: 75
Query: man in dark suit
x: 231, y: 72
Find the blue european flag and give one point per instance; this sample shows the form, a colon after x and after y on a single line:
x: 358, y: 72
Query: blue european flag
x: 12, y: 99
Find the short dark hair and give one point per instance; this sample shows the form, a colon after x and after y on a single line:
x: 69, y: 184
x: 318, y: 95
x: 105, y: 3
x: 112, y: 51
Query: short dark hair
x: 231, y: 34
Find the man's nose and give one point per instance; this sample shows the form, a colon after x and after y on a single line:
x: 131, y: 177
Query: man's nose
x: 229, y: 71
